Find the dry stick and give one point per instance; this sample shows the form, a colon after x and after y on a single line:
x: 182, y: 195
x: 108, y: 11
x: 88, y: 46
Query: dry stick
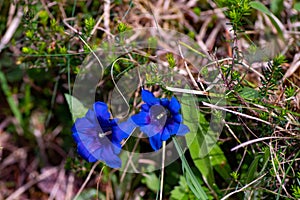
x: 107, y: 15
x: 98, y: 181
x: 274, y: 167
x: 70, y: 187
x: 162, y: 170
x: 63, y: 13
x: 11, y: 13
x: 237, y: 169
x: 210, y: 41
x: 1, y: 151
x: 242, y: 63
x: 87, y: 179
x: 231, y: 131
x: 11, y: 29
x: 257, y: 140
x: 239, y: 190
x: 39, y: 138
x: 130, y: 159
x: 57, y: 183
x: 188, y: 70
x: 65, y: 21
x: 95, y: 27
x: 187, y: 91
x: 29, y: 184
x: 244, y: 115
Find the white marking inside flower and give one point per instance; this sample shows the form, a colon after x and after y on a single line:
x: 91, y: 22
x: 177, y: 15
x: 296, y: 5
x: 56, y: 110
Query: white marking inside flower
x: 160, y: 115
x: 102, y: 135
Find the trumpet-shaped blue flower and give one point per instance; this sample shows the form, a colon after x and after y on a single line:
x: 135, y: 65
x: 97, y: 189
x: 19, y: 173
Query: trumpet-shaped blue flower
x: 159, y: 119
x: 99, y: 137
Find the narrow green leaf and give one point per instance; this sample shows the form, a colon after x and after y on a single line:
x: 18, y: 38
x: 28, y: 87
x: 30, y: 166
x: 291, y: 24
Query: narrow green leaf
x: 11, y: 102
x: 201, y: 140
x: 262, y: 8
x: 266, y: 158
x: 196, y: 140
x: 220, y: 163
x: 286, y: 172
x: 252, y: 169
x: 248, y: 93
x: 193, y: 49
x: 196, y: 186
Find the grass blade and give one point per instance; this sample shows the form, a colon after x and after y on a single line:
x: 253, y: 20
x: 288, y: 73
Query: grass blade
x: 190, y: 176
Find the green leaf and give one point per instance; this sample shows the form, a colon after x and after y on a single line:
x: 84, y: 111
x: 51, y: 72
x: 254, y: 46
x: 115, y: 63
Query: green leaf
x: 277, y: 6
x: 220, y: 163
x: 193, y: 183
x: 152, y: 182
x: 77, y: 109
x: 297, y: 6
x: 90, y: 194
x: 249, y: 93
x: 181, y: 192
x: 196, y: 140
x: 262, y: 8
x: 11, y: 102
x: 266, y: 158
x: 252, y: 171
x: 201, y: 140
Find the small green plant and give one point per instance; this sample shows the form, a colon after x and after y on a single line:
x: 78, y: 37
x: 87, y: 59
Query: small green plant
x: 122, y: 27
x: 235, y: 175
x: 290, y: 92
x: 89, y: 24
x: 296, y: 191
x: 237, y: 10
x: 171, y: 60
x: 272, y: 74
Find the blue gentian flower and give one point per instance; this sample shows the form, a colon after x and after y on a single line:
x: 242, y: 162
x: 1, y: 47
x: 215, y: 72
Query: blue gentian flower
x: 159, y: 119
x: 99, y: 137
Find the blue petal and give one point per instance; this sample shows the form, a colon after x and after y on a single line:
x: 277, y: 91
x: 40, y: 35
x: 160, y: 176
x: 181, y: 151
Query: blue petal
x: 151, y: 129
x: 155, y: 141
x: 101, y: 110
x: 82, y: 138
x: 164, y: 102
x: 165, y: 134
x: 82, y: 151
x: 118, y: 135
x: 174, y: 106
x: 86, y: 123
x: 76, y: 137
x: 90, y: 116
x: 183, y: 129
x: 173, y: 127
x: 177, y: 118
x: 141, y: 119
x: 107, y: 155
x: 103, y: 116
x: 111, y: 159
x: 86, y: 134
x: 149, y: 98
x: 145, y: 107
x: 127, y: 127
